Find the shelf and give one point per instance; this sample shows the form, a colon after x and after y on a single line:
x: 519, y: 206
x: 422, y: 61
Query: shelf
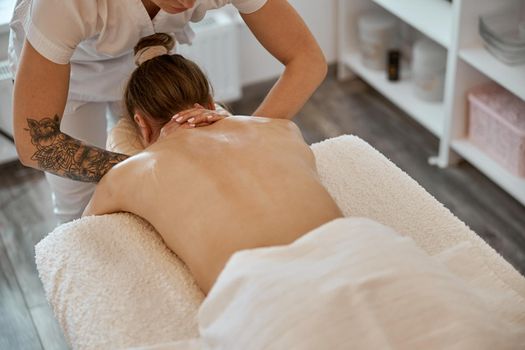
x: 7, y: 151
x: 514, y: 185
x: 431, y: 17
x: 428, y: 114
x: 511, y: 78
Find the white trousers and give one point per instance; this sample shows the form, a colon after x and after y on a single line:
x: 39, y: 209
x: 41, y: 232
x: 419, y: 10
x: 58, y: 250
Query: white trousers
x: 88, y: 122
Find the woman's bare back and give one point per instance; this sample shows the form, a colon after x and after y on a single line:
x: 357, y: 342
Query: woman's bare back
x: 241, y: 183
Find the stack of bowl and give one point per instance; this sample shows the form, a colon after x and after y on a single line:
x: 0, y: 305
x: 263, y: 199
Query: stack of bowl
x: 503, y: 33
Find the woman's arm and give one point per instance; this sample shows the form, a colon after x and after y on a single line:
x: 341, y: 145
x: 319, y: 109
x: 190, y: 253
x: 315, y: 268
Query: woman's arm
x: 284, y: 34
x: 40, y: 95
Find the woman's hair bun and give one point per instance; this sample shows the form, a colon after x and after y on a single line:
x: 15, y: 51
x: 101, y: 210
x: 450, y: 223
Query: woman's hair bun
x: 157, y: 39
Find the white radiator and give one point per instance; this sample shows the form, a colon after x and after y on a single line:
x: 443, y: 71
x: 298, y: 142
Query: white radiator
x: 216, y: 50
x: 7, y: 149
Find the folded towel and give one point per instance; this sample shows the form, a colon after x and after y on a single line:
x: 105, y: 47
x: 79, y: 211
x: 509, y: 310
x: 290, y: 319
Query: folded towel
x: 113, y: 284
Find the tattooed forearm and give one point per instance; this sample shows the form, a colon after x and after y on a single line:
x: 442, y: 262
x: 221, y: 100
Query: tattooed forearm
x: 62, y: 155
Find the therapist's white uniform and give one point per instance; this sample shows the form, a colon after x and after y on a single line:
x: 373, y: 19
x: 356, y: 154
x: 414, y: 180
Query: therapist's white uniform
x: 97, y: 37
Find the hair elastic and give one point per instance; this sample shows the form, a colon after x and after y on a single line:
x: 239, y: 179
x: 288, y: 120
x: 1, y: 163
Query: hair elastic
x: 149, y: 52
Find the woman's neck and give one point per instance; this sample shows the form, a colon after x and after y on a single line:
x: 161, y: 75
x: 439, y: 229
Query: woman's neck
x: 151, y: 8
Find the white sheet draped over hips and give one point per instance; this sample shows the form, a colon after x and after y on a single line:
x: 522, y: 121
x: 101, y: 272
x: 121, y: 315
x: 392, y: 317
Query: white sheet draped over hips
x: 350, y: 284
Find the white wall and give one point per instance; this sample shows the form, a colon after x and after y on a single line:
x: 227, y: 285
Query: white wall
x: 320, y: 16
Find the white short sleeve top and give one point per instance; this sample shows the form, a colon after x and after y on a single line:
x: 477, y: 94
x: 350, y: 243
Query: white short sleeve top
x: 97, y: 37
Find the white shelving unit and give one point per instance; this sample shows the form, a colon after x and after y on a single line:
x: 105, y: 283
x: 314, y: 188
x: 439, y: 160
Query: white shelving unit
x: 430, y: 115
x: 431, y: 17
x: 490, y: 168
x: 510, y: 77
x: 455, y: 27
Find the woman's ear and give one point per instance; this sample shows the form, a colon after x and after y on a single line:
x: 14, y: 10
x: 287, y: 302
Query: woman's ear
x: 144, y: 128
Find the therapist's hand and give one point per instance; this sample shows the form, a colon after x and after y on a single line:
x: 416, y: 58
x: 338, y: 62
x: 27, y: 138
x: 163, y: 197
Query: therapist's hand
x: 199, y: 116
x: 196, y: 117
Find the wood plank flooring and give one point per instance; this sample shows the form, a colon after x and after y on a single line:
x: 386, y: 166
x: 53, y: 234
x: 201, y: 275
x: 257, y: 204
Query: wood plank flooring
x: 26, y: 321
x: 25, y: 218
x: 17, y: 330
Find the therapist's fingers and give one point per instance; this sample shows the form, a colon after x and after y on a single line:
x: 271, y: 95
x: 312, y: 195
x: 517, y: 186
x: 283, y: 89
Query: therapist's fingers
x: 208, y: 117
x: 215, y: 115
x: 205, y: 117
x: 201, y: 116
x: 184, y: 116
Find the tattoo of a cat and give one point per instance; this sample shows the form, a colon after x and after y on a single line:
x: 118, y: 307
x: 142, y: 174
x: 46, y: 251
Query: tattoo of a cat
x: 62, y: 155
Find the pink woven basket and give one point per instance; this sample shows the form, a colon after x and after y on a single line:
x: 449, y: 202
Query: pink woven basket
x: 497, y: 125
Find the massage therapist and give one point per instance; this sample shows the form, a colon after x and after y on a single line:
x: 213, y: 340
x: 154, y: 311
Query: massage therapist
x: 72, y: 58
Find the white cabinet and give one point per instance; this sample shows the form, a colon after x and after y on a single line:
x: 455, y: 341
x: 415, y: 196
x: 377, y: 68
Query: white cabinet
x: 455, y: 27
x: 7, y: 149
x: 433, y: 18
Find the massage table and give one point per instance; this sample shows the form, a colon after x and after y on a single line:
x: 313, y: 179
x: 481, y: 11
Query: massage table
x: 113, y: 284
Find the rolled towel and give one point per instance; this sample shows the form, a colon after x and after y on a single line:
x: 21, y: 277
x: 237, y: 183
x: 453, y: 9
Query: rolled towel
x: 113, y: 283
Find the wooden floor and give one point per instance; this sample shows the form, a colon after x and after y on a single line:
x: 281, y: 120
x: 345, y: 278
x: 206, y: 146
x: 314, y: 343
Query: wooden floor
x: 26, y: 321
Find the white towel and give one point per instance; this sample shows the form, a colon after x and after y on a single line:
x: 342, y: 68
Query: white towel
x: 353, y: 283
x: 112, y: 283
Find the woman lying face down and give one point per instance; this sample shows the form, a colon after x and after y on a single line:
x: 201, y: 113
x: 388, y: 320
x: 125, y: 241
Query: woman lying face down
x: 210, y: 191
